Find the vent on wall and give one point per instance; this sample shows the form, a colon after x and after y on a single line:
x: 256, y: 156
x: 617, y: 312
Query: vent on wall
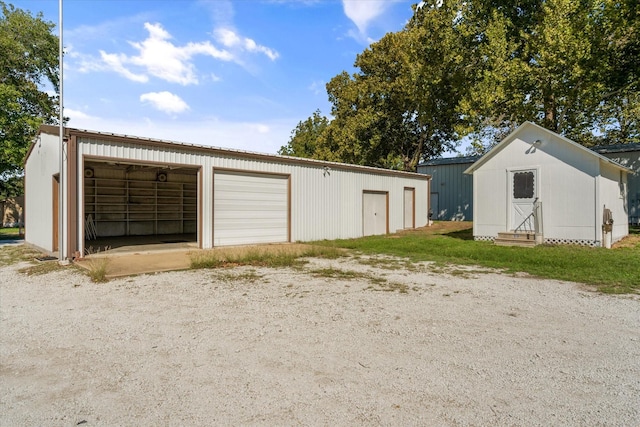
x: 161, y: 177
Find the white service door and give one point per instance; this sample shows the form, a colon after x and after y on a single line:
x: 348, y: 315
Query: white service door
x: 374, y: 213
x: 523, y: 191
x: 250, y: 208
x: 409, y: 211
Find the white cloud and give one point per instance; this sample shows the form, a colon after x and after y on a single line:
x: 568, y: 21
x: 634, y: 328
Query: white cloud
x: 302, y: 2
x: 115, y: 63
x: 230, y: 39
x: 165, y: 101
x: 363, y: 12
x: 318, y: 87
x: 76, y: 115
x: 261, y: 128
x: 214, y: 78
x: 262, y: 137
x: 159, y: 57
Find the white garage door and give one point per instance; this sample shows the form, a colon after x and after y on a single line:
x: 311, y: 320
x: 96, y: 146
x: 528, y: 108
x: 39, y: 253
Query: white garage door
x: 374, y: 213
x: 250, y: 208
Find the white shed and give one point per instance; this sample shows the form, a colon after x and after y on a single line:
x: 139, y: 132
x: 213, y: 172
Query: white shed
x: 123, y: 187
x: 536, y: 183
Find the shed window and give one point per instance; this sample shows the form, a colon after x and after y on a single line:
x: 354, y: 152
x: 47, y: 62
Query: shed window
x: 523, y: 185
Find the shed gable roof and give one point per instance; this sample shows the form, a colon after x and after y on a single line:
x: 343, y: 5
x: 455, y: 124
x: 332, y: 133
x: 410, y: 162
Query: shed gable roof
x: 513, y: 135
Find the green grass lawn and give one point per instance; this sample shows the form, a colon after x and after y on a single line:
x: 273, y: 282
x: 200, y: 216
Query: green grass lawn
x: 10, y: 234
x: 610, y: 270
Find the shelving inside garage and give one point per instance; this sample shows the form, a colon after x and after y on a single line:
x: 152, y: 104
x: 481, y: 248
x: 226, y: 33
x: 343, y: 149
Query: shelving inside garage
x: 141, y: 204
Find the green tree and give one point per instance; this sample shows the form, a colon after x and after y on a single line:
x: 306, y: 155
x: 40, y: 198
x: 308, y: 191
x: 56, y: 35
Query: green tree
x: 480, y: 68
x: 29, y: 61
x: 558, y: 64
x: 305, y: 137
x: 619, y: 26
x: 402, y: 105
x: 11, y: 186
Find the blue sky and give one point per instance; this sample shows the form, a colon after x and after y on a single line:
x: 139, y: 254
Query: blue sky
x: 234, y: 74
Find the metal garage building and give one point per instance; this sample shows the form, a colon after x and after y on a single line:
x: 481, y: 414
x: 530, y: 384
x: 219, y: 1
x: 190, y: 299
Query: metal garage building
x: 117, y: 186
x: 451, y: 190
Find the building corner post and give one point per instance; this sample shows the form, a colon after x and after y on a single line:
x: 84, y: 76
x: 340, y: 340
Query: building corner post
x: 62, y: 190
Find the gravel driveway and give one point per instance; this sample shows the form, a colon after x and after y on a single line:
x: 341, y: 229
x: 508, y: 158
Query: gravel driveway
x: 351, y: 341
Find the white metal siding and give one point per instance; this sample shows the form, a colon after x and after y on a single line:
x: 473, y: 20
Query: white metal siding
x: 42, y: 164
x: 613, y: 196
x: 491, y: 207
x: 249, y: 209
x: 326, y: 202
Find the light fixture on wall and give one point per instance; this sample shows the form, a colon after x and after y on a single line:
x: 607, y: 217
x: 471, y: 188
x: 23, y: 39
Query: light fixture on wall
x: 88, y: 172
x: 161, y: 177
x: 534, y: 146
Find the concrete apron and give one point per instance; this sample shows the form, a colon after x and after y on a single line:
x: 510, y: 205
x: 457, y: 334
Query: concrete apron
x: 135, y: 260
x: 121, y: 264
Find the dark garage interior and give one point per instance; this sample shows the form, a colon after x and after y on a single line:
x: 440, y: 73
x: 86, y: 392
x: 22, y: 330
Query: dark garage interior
x: 128, y: 204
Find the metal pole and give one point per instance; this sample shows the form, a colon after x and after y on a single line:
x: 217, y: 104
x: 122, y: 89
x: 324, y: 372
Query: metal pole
x: 61, y: 210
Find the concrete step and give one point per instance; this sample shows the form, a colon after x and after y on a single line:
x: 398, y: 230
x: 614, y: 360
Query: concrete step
x: 517, y: 235
x: 512, y: 238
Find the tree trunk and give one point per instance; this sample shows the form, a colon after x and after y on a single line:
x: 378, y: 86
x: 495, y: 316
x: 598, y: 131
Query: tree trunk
x: 412, y: 165
x: 550, y: 112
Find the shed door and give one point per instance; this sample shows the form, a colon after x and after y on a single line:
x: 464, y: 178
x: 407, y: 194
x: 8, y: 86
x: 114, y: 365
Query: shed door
x: 409, y: 210
x: 250, y: 208
x: 55, y: 193
x: 374, y: 213
x: 523, y: 192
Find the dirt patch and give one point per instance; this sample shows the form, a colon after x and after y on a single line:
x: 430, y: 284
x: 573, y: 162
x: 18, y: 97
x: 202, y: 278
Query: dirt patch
x: 338, y: 342
x: 630, y: 241
x: 441, y: 227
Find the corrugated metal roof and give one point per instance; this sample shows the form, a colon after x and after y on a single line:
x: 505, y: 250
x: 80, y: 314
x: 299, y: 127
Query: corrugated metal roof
x: 616, y: 148
x: 53, y: 130
x: 450, y: 161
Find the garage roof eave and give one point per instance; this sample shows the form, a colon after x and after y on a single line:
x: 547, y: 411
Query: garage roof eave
x: 53, y: 130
